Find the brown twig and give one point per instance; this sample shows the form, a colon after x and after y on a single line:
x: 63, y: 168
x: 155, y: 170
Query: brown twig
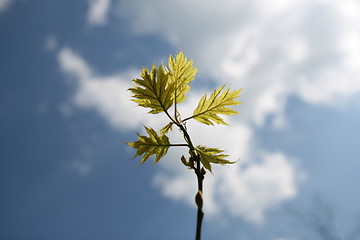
x: 200, y: 172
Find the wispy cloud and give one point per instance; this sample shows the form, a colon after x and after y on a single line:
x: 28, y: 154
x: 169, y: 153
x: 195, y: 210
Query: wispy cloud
x: 277, y: 49
x: 259, y: 181
x: 98, y: 11
x: 240, y: 190
x: 4, y: 4
x: 81, y: 167
x: 51, y: 43
x: 107, y: 95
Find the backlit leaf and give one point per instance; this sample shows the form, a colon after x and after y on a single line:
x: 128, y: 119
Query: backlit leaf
x: 167, y: 128
x: 208, y: 108
x: 154, y: 90
x: 212, y: 155
x: 152, y: 145
x: 182, y: 73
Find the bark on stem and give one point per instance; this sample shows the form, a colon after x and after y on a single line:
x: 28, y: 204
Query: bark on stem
x: 200, y: 172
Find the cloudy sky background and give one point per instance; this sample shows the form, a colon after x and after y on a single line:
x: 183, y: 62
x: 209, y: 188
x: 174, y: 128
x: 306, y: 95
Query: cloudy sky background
x: 65, y: 67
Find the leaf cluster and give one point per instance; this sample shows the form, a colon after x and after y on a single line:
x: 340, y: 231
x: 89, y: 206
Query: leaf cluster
x: 161, y: 89
x: 152, y: 145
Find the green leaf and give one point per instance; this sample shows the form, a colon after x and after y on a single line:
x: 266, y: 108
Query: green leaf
x: 182, y: 73
x: 161, y: 87
x: 152, y: 145
x: 211, y: 155
x: 208, y: 108
x: 154, y: 90
x: 167, y: 128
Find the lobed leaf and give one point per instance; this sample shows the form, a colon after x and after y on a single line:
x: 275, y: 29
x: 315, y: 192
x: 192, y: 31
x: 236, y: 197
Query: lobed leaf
x: 208, y: 108
x: 182, y: 73
x: 152, y: 145
x: 154, y: 90
x: 167, y: 128
x: 211, y: 155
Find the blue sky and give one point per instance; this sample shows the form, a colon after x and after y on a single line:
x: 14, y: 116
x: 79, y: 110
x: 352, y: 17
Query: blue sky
x: 65, y: 114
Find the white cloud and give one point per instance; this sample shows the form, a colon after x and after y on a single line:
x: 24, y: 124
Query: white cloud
x: 276, y: 49
x: 247, y: 190
x: 250, y: 191
x: 72, y: 64
x: 255, y: 184
x: 107, y: 95
x: 4, y: 4
x: 179, y: 183
x: 98, y: 11
x: 241, y: 190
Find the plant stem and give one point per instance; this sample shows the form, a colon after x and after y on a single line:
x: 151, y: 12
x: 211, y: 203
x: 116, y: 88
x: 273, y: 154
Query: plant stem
x: 200, y: 172
x: 178, y: 145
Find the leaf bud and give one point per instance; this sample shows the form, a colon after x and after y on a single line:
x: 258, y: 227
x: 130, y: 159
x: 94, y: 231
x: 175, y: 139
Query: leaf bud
x: 199, y: 199
x: 202, y: 171
x: 183, y: 160
x: 191, y: 163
